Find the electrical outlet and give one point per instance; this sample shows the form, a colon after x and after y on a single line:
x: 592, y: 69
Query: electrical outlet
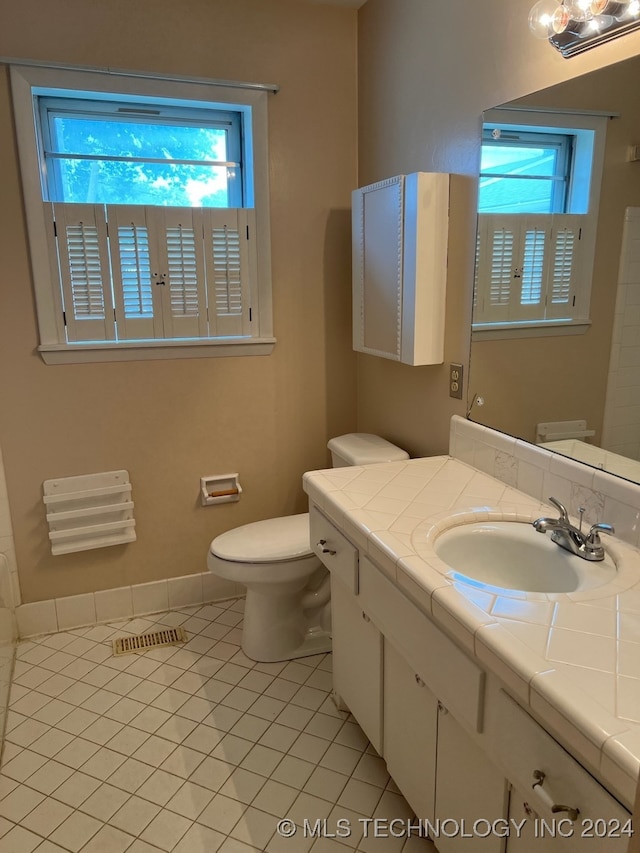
x: 455, y: 381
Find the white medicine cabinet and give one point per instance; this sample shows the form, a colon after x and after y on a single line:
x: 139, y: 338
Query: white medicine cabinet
x: 400, y: 230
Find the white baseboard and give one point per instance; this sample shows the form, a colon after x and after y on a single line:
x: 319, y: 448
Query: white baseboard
x: 112, y: 605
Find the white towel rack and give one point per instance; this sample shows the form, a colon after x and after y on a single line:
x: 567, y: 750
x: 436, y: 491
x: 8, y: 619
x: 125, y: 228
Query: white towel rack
x: 89, y: 511
x: 558, y: 430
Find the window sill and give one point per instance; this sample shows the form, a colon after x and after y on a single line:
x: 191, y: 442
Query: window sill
x: 506, y: 331
x: 153, y: 350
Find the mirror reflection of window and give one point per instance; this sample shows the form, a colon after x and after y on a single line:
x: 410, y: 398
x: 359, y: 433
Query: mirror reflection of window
x: 524, y: 172
x: 536, y: 221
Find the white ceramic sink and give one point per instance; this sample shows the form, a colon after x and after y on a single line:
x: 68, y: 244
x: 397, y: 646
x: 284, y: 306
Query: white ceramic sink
x: 512, y: 555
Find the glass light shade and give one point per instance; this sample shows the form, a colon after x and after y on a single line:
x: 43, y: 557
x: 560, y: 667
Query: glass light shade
x: 541, y: 18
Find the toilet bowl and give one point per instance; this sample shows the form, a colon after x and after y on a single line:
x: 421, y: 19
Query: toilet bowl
x: 274, y: 560
x: 288, y: 608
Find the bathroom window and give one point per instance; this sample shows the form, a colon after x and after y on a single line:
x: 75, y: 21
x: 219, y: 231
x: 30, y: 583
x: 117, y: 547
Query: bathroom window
x: 147, y: 207
x: 537, y: 215
x: 123, y: 152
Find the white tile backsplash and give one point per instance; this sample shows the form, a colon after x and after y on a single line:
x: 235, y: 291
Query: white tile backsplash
x: 541, y: 474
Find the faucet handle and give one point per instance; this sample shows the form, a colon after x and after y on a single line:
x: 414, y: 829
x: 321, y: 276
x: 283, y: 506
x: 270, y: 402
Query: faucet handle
x: 593, y: 538
x: 564, y: 515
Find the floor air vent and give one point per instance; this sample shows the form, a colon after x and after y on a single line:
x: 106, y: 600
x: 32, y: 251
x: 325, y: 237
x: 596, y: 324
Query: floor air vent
x: 152, y: 640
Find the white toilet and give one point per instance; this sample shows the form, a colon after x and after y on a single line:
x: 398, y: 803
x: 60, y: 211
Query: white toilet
x: 287, y: 610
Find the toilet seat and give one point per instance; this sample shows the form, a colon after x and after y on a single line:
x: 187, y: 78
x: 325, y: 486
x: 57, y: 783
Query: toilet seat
x: 271, y: 541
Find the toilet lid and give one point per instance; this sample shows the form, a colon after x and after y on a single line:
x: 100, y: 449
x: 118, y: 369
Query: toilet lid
x: 284, y: 538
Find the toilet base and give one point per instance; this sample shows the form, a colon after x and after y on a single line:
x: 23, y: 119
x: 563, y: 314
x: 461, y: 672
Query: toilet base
x: 276, y: 626
x: 316, y: 642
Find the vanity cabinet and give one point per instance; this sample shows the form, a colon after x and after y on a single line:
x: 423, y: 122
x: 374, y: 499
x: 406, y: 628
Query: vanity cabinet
x: 410, y: 733
x: 469, y: 788
x: 457, y: 745
x: 565, y: 807
x: 357, y: 661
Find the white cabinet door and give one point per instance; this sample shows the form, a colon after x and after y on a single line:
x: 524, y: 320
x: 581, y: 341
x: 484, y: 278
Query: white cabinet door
x: 410, y: 733
x: 357, y: 661
x: 468, y: 789
x: 530, y: 832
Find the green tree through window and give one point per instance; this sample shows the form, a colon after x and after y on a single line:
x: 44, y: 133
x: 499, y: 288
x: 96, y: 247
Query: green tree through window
x: 169, y: 161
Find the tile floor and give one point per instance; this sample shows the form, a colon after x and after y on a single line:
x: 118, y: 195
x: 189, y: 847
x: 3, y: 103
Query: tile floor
x: 184, y: 749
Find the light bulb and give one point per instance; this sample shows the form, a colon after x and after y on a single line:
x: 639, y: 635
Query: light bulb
x: 599, y: 24
x: 541, y: 18
x: 628, y: 9
x: 620, y: 9
x: 579, y: 10
x: 561, y: 20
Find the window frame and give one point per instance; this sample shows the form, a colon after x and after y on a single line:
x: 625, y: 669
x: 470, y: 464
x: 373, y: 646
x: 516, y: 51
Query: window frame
x: 30, y: 81
x: 589, y: 133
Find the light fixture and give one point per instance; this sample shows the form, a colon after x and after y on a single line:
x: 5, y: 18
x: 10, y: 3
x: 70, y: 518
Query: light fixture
x: 576, y: 25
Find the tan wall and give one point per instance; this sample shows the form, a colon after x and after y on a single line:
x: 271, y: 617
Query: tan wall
x: 169, y: 422
x: 513, y: 375
x: 426, y: 73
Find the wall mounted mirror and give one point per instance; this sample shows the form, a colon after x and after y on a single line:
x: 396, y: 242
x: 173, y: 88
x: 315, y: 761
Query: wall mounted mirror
x: 576, y: 367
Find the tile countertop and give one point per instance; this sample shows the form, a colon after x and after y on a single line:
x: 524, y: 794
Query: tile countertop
x: 573, y: 658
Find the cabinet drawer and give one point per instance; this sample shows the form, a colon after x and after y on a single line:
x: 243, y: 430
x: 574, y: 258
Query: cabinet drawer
x: 334, y: 549
x: 523, y: 748
x: 446, y: 670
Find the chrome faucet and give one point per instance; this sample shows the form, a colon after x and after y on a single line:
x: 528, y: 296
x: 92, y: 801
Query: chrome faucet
x: 563, y: 533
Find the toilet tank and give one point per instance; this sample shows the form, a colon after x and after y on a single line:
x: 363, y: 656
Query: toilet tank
x: 362, y: 448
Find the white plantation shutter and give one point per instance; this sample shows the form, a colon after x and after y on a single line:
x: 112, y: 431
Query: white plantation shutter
x: 501, y: 272
x: 565, y: 265
x: 228, y: 237
x: 496, y: 255
x: 527, y: 267
x: 528, y: 302
x: 179, y: 232
x: 533, y: 267
x: 82, y: 259
x: 130, y: 272
x: 131, y: 264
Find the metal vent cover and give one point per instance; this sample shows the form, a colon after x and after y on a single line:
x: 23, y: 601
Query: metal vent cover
x: 152, y: 640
